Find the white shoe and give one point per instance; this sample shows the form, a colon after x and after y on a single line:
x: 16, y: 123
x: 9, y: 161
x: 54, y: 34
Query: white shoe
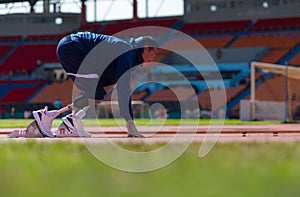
x: 44, y: 119
x: 64, y: 131
x: 75, y: 124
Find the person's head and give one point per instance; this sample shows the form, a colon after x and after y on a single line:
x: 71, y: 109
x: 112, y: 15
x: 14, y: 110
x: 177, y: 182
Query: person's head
x: 149, y: 46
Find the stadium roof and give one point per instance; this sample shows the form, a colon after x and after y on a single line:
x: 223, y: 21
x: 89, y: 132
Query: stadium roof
x: 31, y: 2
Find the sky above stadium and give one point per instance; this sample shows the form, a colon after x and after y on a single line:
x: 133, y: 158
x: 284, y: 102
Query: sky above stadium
x: 105, y: 9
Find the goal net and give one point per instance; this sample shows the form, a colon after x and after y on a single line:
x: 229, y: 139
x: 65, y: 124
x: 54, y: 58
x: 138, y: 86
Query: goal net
x: 275, y: 93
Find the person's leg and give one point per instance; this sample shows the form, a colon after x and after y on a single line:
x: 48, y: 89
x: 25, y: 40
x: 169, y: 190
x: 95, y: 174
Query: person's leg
x: 70, y: 59
x: 74, y: 121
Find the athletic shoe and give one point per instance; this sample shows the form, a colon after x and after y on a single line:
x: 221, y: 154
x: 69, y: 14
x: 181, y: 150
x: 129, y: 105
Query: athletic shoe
x: 17, y: 133
x: 75, y: 124
x: 44, y: 119
x: 64, y: 131
x: 132, y: 131
x: 137, y: 135
x: 68, y: 121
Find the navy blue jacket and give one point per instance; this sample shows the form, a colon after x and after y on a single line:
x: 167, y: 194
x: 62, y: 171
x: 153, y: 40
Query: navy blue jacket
x: 109, y: 57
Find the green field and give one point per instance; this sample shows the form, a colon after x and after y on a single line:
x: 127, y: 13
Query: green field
x: 16, y: 123
x: 32, y: 168
x: 67, y: 169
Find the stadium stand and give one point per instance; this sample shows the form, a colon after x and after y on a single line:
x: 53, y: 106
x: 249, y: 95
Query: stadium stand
x: 137, y: 95
x: 229, y: 27
x: 19, y: 95
x: 111, y: 28
x: 53, y: 37
x: 290, y: 23
x: 295, y: 61
x: 274, y: 55
x: 214, y: 42
x: 4, y: 49
x: 274, y: 89
x: 219, y: 41
x: 21, y: 90
x: 10, y: 38
x: 177, y: 93
x: 56, y: 90
x: 205, y: 97
x: 280, y: 44
x: 92, y: 27
x: 272, y: 38
x: 27, y: 55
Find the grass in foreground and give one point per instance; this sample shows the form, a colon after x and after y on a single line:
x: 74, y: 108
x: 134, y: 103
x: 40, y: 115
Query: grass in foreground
x: 23, y: 123
x: 66, y: 169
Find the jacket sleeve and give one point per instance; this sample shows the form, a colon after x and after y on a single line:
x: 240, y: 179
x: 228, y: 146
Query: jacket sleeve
x: 123, y: 65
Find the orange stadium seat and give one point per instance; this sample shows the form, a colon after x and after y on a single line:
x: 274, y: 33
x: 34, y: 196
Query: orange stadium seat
x: 204, y: 97
x: 271, y: 40
x: 274, y: 55
x: 50, y: 93
x: 168, y: 94
x: 295, y: 61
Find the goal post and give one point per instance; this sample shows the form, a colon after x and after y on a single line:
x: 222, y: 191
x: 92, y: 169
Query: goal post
x: 110, y: 109
x: 284, y: 83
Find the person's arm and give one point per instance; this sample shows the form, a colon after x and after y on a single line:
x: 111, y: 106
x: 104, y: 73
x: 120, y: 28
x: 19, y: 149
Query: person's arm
x: 124, y: 94
x: 123, y: 75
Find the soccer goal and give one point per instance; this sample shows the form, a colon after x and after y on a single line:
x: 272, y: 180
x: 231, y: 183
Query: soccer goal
x: 110, y: 109
x: 275, y: 93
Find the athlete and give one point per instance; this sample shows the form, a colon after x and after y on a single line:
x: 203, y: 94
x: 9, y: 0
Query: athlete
x: 94, y: 62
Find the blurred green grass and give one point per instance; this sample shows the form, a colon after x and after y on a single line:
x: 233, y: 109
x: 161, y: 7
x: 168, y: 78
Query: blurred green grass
x: 23, y: 123
x: 65, y: 169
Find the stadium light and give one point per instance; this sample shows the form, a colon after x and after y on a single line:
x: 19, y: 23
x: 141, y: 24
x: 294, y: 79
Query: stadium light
x: 213, y: 8
x: 265, y: 4
x: 59, y: 21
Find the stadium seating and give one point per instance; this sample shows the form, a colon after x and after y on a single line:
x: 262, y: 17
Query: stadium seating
x: 4, y: 49
x: 211, y: 35
x: 214, y: 42
x: 177, y: 93
x: 27, y: 55
x: 10, y: 38
x: 92, y: 27
x: 295, y: 61
x: 272, y: 40
x: 290, y: 23
x: 274, y: 55
x: 54, y: 37
x: 111, y: 28
x: 206, y: 42
x: 205, y: 97
x: 21, y: 90
x: 19, y: 95
x: 280, y: 44
x: 228, y: 27
x: 56, y: 90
